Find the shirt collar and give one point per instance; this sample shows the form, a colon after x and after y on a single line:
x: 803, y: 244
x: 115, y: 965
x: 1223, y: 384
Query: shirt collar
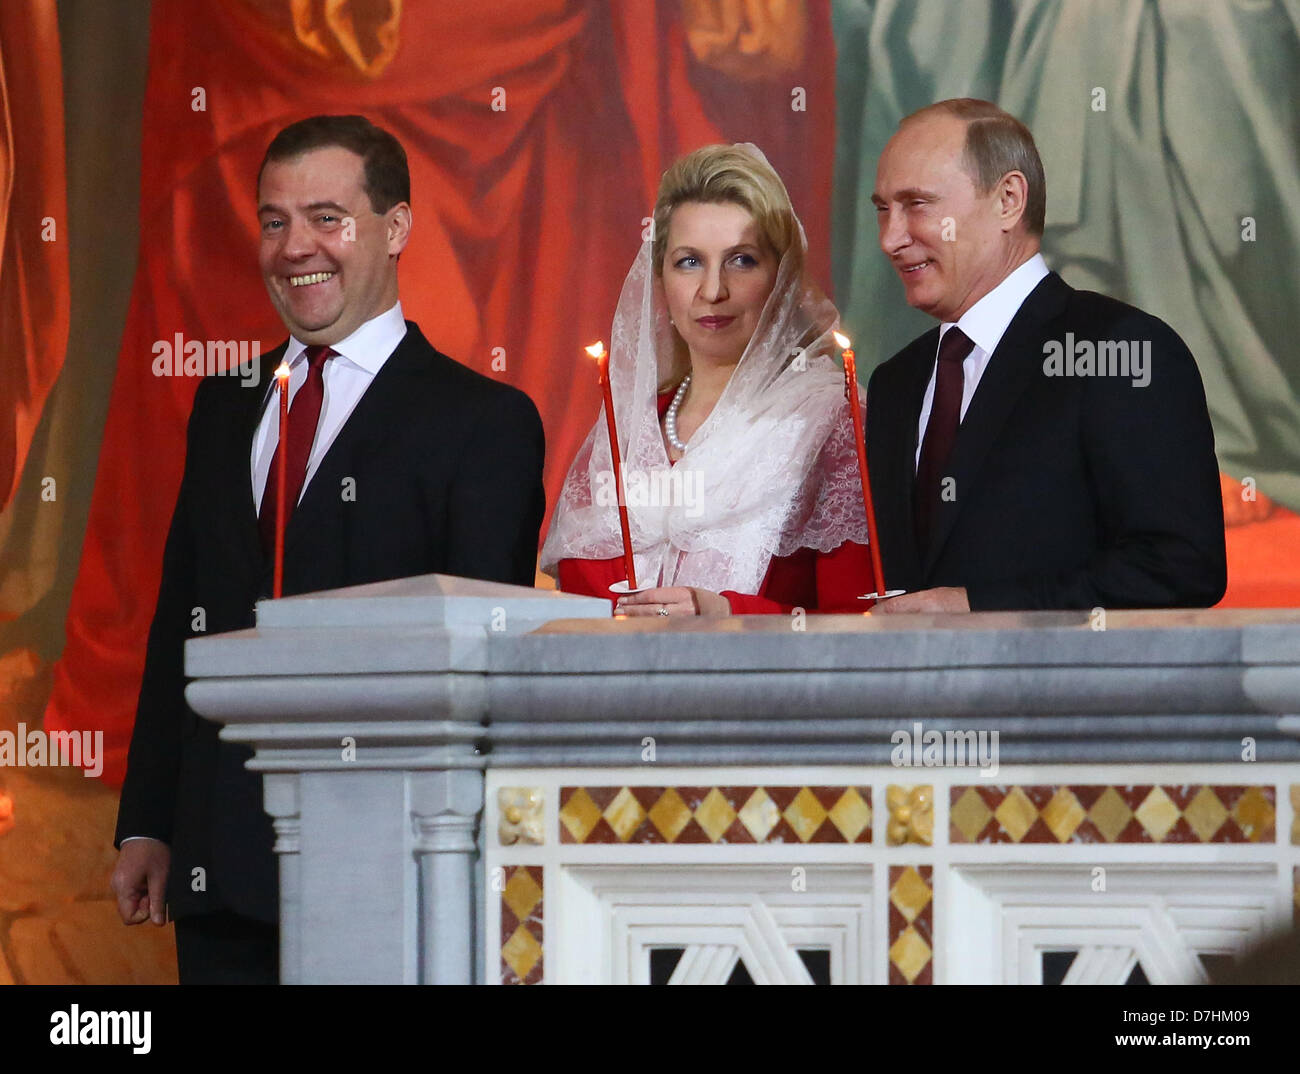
x: 986, y: 322
x: 368, y: 347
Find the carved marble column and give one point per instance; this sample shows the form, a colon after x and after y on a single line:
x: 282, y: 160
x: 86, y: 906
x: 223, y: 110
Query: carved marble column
x: 280, y: 796
x: 445, y: 811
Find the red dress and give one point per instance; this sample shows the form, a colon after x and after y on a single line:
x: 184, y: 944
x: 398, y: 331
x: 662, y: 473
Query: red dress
x: 815, y: 581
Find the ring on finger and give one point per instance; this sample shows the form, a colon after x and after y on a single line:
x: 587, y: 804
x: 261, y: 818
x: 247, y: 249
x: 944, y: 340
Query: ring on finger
x: 663, y: 609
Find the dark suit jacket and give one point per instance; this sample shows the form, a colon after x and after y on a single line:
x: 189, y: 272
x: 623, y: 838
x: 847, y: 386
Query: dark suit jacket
x: 447, y: 466
x: 1070, y: 491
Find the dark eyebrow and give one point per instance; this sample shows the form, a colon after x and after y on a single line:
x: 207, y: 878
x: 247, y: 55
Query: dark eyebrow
x: 910, y: 194
x: 313, y: 207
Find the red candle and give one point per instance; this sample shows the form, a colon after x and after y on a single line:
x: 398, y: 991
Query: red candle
x: 597, y: 351
x: 282, y: 379
x: 855, y: 410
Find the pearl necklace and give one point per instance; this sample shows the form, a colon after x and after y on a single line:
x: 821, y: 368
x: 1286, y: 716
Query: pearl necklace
x: 670, y: 418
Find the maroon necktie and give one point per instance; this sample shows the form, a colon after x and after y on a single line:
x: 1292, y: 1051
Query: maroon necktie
x: 304, y: 413
x: 940, y: 432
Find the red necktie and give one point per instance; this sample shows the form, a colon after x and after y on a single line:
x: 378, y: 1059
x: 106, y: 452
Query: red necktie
x: 304, y: 413
x: 940, y: 432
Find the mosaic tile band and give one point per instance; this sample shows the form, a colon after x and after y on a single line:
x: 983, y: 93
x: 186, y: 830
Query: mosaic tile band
x: 715, y: 814
x: 1101, y: 813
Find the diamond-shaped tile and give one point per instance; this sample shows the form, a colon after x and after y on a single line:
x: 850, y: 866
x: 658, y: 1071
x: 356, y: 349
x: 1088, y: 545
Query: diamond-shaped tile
x: 759, y: 814
x: 521, y: 952
x: 1205, y: 814
x: 805, y: 814
x: 909, y: 953
x: 714, y: 814
x: 670, y: 814
x: 1157, y: 814
x: 1254, y: 814
x: 1016, y: 814
x: 521, y: 893
x: 850, y: 814
x: 1110, y: 813
x: 1063, y: 814
x: 910, y: 893
x: 969, y: 815
x: 579, y: 815
x: 624, y: 814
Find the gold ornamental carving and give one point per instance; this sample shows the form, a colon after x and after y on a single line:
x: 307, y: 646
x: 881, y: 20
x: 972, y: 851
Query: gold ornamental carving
x: 521, y: 816
x: 911, y: 814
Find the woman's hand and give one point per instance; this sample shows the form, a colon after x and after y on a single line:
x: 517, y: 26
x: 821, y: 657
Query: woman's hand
x: 673, y: 600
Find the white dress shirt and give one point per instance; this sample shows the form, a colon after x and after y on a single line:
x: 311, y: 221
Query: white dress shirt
x: 984, y: 324
x: 347, y: 376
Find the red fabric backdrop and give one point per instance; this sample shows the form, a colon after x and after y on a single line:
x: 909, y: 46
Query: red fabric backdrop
x: 34, y: 300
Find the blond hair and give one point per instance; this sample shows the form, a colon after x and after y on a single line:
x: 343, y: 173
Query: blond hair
x: 727, y: 174
x: 997, y: 143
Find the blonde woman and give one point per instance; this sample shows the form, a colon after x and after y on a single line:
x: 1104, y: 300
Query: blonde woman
x: 739, y: 461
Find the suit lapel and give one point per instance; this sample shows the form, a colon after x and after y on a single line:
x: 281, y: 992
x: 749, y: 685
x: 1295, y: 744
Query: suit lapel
x: 246, y: 418
x: 1013, y: 365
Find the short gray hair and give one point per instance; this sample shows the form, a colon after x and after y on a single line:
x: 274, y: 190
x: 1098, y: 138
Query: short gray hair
x: 997, y: 143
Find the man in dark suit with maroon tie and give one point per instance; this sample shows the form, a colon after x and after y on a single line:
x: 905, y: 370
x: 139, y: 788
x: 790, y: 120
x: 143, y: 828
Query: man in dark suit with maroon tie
x: 1043, y: 447
x: 399, y: 461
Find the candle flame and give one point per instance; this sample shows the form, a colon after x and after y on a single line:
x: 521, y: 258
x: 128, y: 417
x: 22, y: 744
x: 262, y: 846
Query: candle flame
x: 842, y: 340
x: 282, y: 371
x: 597, y: 349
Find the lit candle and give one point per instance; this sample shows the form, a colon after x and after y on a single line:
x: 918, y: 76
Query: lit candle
x: 282, y: 383
x: 597, y: 351
x: 859, y: 440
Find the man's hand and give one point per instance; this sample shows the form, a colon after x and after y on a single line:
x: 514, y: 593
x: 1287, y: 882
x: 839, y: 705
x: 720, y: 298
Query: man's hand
x: 140, y: 881
x: 943, y: 599
x: 673, y: 600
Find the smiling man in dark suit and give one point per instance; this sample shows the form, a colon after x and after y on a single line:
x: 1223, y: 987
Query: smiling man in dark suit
x: 1043, y: 447
x: 400, y: 462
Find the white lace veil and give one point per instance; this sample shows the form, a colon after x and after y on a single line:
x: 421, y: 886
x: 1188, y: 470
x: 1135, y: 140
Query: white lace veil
x: 773, y: 468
